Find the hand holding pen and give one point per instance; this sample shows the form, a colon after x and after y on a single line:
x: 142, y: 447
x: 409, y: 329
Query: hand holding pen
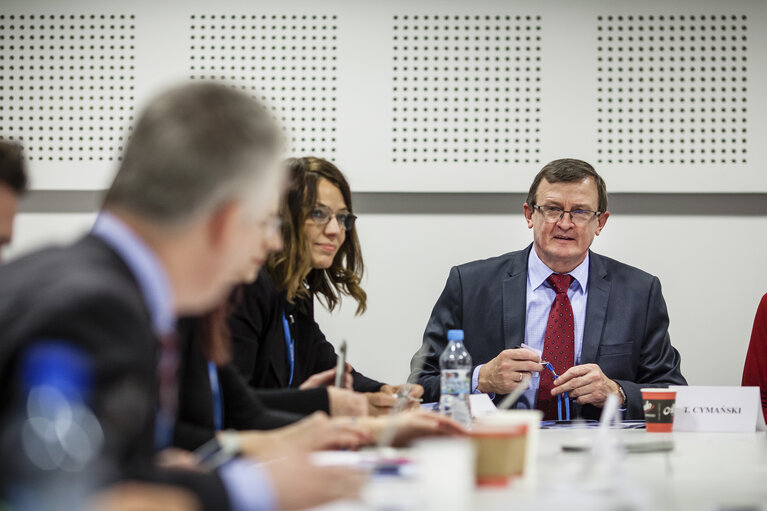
x: 505, y: 372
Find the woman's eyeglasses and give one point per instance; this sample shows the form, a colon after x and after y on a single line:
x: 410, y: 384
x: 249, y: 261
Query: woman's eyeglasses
x: 322, y: 214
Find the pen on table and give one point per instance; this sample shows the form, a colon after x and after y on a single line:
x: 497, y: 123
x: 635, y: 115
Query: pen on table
x: 341, y: 365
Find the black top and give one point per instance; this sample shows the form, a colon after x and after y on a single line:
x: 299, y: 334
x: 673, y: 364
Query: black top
x: 242, y: 407
x: 85, y: 295
x: 258, y: 339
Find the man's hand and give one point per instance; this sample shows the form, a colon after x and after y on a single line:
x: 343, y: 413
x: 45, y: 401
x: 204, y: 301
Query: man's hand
x: 346, y: 403
x: 327, y: 378
x: 503, y: 373
x: 588, y: 384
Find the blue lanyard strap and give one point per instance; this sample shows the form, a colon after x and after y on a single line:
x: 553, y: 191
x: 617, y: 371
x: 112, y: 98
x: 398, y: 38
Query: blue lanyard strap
x: 564, y: 396
x: 215, y: 390
x: 291, y: 347
x: 567, y: 406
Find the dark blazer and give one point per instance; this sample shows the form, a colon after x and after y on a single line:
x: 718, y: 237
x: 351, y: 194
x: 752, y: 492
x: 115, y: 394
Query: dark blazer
x: 626, y: 329
x: 258, y: 339
x: 85, y: 295
x: 242, y: 408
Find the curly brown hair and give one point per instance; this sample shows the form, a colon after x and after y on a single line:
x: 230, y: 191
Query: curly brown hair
x: 292, y: 267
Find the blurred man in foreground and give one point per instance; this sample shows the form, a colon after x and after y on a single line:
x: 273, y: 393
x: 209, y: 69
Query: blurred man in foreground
x: 187, y: 210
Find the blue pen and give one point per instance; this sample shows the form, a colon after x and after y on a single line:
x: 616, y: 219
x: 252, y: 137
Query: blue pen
x: 290, y: 345
x: 566, y: 395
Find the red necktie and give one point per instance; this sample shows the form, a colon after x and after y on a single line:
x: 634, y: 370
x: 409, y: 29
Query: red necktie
x: 558, y: 343
x: 167, y: 376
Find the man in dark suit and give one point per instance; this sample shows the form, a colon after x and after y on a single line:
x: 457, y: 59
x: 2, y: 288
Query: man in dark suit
x: 187, y: 211
x: 602, y: 324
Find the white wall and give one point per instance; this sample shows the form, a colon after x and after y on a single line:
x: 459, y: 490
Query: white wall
x: 710, y: 267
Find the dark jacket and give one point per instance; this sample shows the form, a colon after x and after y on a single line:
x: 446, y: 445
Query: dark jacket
x: 625, y: 333
x: 258, y: 339
x: 84, y: 295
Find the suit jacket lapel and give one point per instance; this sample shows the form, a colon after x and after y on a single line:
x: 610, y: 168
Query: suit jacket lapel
x: 596, y: 308
x: 514, y: 299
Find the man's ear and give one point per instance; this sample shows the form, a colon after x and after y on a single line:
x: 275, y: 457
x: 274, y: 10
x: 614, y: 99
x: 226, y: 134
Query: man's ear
x: 528, y: 211
x: 222, y: 223
x: 602, y: 221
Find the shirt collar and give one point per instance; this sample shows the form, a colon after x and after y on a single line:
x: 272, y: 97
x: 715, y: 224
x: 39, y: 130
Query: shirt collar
x: 538, y: 272
x: 147, y: 269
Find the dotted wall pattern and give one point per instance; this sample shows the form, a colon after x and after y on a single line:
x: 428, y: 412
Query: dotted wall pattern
x: 467, y: 89
x: 67, y: 84
x: 286, y: 61
x: 672, y: 89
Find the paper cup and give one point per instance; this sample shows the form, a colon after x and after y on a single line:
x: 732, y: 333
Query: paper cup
x: 532, y: 419
x: 659, y: 409
x: 501, y: 449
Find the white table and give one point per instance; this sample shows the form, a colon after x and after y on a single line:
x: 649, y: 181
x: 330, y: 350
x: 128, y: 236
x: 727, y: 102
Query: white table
x: 704, y: 472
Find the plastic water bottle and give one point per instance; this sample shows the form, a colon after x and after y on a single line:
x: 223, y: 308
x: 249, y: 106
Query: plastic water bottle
x: 455, y: 369
x: 53, y: 444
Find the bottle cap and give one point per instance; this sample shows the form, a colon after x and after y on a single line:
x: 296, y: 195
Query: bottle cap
x: 455, y: 335
x: 59, y: 365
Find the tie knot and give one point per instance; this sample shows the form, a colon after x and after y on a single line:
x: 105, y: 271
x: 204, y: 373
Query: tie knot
x: 560, y: 283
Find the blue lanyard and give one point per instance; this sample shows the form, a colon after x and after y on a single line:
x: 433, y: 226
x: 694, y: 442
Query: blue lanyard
x: 291, y: 347
x: 215, y: 390
x: 567, y: 406
x: 566, y: 395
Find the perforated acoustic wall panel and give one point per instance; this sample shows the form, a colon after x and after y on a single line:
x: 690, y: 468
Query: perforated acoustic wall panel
x: 672, y: 89
x: 467, y: 89
x: 286, y: 61
x: 433, y: 96
x: 67, y: 84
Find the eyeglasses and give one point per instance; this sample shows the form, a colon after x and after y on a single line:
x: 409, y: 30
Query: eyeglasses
x: 322, y: 214
x: 553, y: 214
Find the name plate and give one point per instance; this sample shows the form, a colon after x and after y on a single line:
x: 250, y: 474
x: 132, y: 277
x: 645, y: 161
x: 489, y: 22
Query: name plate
x: 481, y: 404
x: 718, y: 409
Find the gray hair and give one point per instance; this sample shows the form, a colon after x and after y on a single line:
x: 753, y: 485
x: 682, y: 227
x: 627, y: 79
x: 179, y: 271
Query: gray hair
x: 194, y: 147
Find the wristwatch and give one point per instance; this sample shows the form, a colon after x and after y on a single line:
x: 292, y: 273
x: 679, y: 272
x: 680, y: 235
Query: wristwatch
x: 622, y: 394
